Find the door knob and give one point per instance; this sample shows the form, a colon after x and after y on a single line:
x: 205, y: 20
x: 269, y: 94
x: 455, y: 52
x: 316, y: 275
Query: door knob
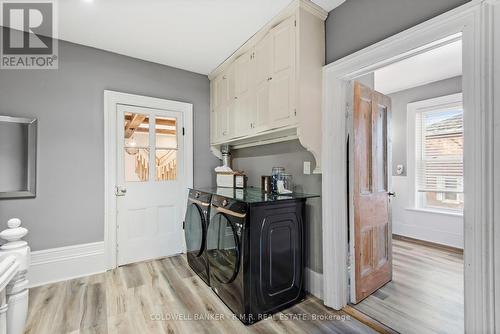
x: 120, y: 190
x: 391, y: 193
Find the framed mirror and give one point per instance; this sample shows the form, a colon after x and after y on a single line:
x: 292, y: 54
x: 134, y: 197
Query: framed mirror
x: 17, y: 157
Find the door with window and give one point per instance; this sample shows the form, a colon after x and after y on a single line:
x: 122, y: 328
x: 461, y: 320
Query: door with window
x: 149, y: 183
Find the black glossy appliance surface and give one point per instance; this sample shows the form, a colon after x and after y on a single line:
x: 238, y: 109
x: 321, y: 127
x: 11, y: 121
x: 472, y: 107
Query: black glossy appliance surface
x: 255, y: 255
x: 195, y: 230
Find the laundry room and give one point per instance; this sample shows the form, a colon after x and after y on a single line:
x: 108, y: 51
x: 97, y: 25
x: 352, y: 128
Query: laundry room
x: 235, y: 166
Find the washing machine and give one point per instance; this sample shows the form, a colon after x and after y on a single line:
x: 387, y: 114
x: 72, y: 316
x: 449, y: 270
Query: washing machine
x: 255, y: 253
x: 195, y: 230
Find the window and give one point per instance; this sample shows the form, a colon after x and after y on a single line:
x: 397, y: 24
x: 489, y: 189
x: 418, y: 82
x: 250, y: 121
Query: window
x: 438, y: 128
x: 138, y: 147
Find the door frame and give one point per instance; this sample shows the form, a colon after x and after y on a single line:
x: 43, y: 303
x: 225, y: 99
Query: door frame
x: 111, y: 100
x: 476, y: 21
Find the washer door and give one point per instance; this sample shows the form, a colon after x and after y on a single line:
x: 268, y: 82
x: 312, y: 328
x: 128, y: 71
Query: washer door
x: 223, y: 249
x: 195, y: 230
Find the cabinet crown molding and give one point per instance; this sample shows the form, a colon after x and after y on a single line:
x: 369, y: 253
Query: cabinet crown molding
x: 291, y: 9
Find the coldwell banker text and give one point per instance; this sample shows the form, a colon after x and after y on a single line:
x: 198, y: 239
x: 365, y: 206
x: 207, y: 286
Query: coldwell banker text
x: 29, y: 39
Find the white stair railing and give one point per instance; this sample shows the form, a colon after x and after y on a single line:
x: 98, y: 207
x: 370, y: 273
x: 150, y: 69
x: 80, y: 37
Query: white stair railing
x: 15, y: 257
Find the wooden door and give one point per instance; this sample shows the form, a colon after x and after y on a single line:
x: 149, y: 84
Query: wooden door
x: 372, y: 226
x: 281, y: 96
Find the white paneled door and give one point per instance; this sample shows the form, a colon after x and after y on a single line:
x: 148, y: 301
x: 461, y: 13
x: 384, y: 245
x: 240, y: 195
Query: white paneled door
x: 150, y: 183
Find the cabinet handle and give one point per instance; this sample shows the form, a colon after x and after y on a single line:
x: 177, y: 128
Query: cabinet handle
x: 270, y: 78
x: 235, y: 97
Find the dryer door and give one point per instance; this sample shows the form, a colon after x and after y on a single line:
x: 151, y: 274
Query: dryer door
x: 195, y: 230
x: 223, y: 249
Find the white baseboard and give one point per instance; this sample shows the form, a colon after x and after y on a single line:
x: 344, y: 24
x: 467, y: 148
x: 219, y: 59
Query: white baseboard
x: 64, y: 263
x: 314, y: 283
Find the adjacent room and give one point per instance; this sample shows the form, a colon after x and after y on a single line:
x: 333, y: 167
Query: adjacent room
x: 422, y: 291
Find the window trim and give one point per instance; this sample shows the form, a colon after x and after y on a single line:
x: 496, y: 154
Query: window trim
x: 442, y: 102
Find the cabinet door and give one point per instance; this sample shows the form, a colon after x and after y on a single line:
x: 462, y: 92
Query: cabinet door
x: 244, y: 94
x: 229, y: 105
x: 282, y: 83
x: 223, y: 122
x: 217, y: 105
x: 213, y: 120
x: 279, y: 266
x: 223, y: 106
x: 263, y: 64
x: 222, y: 88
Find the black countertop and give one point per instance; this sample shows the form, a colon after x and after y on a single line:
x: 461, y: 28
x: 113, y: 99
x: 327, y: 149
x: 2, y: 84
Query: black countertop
x: 254, y: 195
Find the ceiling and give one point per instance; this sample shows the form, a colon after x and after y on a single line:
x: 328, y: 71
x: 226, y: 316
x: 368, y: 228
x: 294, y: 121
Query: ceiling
x: 437, y: 64
x: 195, y: 35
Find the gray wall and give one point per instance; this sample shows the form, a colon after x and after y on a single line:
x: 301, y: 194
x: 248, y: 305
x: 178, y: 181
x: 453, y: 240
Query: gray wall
x: 257, y: 161
x: 357, y: 24
x: 68, y: 103
x: 400, y: 101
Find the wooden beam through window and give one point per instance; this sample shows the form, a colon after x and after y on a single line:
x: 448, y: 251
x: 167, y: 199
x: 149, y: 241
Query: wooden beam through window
x: 158, y: 131
x: 159, y: 121
x: 132, y: 124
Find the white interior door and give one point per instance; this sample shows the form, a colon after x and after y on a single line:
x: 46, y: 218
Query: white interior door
x: 150, y: 181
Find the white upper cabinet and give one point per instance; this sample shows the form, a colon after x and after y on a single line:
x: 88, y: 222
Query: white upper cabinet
x: 270, y: 89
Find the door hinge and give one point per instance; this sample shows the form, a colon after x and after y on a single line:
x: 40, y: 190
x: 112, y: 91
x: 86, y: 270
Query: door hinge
x: 347, y: 110
x: 183, y: 225
x: 295, y: 23
x: 183, y: 131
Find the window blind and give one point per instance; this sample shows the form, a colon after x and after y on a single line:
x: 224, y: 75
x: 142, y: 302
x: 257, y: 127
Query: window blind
x: 440, y: 139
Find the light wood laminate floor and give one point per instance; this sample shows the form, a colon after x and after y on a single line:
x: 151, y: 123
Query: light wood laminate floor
x: 145, y: 297
x: 426, y: 294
